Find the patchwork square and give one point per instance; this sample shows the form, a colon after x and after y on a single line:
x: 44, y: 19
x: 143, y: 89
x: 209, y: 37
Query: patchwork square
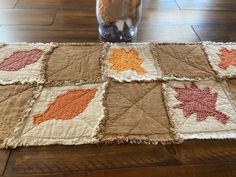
x: 222, y: 58
x: 129, y: 62
x: 182, y: 61
x: 75, y: 63
x: 231, y: 83
x: 200, y: 109
x: 63, y: 115
x: 135, y: 113
x: 14, y: 100
x: 23, y: 62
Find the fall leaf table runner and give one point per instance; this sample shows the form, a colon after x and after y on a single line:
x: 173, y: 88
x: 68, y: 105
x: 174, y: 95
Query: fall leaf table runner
x: 77, y: 93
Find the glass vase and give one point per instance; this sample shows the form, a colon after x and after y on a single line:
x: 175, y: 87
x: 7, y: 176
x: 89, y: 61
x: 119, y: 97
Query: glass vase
x: 118, y: 19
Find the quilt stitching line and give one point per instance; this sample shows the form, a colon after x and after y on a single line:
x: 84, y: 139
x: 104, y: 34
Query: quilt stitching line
x: 185, y: 62
x: 63, y: 68
x: 134, y: 104
x: 15, y: 94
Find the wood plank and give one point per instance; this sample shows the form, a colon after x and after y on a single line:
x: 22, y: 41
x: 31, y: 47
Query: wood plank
x: 48, y: 34
x: 160, y: 5
x: 55, y: 159
x: 220, y: 33
x: 198, y: 170
x: 166, y: 33
x: 76, y: 18
x: 190, y: 17
x: 26, y: 16
x: 59, y: 4
x: 4, y: 154
x: 6, y: 4
x: 158, y: 33
x: 207, y: 5
x: 90, y: 4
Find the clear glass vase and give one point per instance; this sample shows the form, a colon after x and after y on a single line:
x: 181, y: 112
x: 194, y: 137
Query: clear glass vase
x: 118, y: 19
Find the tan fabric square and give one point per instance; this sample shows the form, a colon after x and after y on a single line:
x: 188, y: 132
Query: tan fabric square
x: 135, y: 113
x: 13, y: 101
x: 181, y: 60
x: 75, y: 63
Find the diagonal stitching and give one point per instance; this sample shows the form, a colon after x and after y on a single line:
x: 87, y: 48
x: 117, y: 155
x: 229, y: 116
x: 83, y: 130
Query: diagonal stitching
x: 184, y: 58
x: 15, y: 94
x: 134, y: 104
x: 78, y: 59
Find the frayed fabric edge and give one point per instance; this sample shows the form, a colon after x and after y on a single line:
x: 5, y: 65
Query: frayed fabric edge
x: 134, y: 139
x: 13, y: 140
x: 213, y: 135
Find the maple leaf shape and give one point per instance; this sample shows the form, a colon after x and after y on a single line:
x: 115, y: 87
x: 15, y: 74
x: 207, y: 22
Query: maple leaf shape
x: 228, y: 57
x: 67, y: 106
x: 20, y: 59
x: 122, y: 60
x: 201, y: 102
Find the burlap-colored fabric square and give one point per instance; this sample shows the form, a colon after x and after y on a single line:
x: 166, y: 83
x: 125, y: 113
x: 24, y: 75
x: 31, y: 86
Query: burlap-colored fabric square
x: 132, y: 114
x: 182, y: 61
x: 13, y: 103
x: 75, y: 63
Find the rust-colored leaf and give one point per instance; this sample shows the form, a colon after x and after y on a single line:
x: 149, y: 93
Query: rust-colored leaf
x: 20, y: 59
x: 67, y: 106
x: 122, y: 60
x: 201, y: 102
x: 228, y: 57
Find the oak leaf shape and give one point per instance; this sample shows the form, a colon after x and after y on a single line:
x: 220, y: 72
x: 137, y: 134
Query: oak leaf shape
x: 67, y: 106
x: 20, y: 59
x: 122, y: 60
x: 201, y: 102
x: 228, y: 57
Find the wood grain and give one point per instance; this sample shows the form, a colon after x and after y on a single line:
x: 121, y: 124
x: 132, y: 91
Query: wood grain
x: 48, y: 34
x: 55, y: 159
x: 199, y: 170
x: 7, y: 4
x: 59, y: 4
x: 221, y: 33
x: 206, y: 5
x: 4, y: 154
x: 26, y: 17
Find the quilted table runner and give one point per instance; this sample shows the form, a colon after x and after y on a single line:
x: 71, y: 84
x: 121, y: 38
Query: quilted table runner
x: 58, y: 93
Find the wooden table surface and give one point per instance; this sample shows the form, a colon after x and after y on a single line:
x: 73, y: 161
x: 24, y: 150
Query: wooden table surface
x: 162, y: 21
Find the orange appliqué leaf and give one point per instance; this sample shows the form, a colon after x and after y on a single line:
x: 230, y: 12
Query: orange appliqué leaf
x: 67, y: 106
x: 122, y: 60
x: 228, y: 57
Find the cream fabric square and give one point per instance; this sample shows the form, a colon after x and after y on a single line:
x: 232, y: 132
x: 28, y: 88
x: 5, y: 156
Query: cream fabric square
x: 152, y: 72
x: 78, y: 129
x: 185, y: 120
x: 214, y: 50
x: 12, y: 69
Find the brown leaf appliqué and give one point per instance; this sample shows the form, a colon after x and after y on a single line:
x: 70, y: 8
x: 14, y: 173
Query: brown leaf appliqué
x: 228, y: 57
x: 67, y: 106
x: 20, y: 59
x: 201, y: 102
